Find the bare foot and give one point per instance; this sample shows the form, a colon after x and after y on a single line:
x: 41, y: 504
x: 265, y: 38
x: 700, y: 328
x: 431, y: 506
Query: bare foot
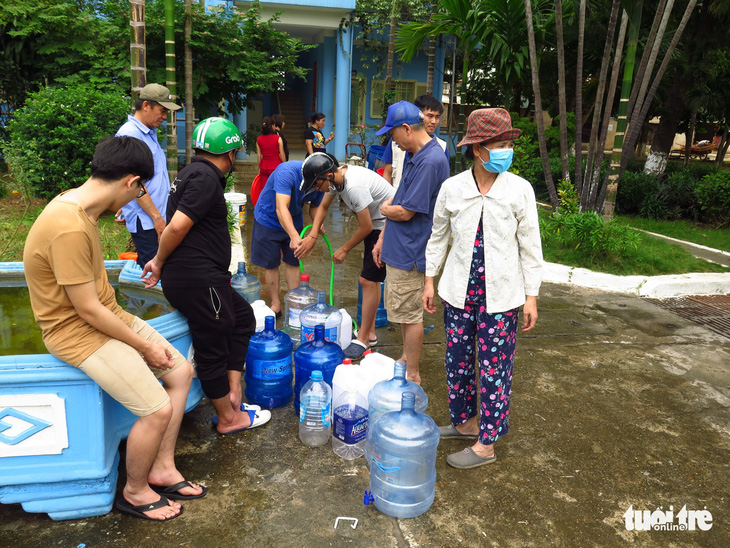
x: 148, y: 496
x: 414, y: 378
x: 240, y: 420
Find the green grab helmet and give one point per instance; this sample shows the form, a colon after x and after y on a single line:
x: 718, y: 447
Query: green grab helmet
x: 216, y: 136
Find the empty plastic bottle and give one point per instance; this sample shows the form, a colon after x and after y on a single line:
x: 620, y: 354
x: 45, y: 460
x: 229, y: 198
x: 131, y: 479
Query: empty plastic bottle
x: 295, y: 301
x: 386, y: 396
x: 315, y: 423
x: 317, y: 354
x: 247, y: 285
x: 320, y: 313
x: 403, y: 468
x: 269, y: 367
x: 350, y: 421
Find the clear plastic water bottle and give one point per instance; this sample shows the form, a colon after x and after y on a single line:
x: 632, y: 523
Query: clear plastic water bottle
x: 403, y: 468
x: 320, y: 313
x: 315, y: 407
x: 386, y: 396
x: 350, y: 422
x: 247, y: 285
x: 295, y: 301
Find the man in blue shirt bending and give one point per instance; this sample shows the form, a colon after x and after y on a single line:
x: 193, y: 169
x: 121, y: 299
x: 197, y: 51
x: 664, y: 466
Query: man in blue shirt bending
x: 277, y: 223
x: 402, y: 243
x: 145, y: 216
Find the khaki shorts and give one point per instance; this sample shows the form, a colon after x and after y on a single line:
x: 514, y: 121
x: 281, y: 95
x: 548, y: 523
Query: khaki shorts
x: 403, y: 292
x: 122, y: 373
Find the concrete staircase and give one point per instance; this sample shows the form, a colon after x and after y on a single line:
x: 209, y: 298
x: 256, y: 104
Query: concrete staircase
x: 291, y: 107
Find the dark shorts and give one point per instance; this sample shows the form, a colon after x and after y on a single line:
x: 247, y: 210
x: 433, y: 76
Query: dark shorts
x: 269, y: 247
x: 370, y: 270
x: 146, y: 243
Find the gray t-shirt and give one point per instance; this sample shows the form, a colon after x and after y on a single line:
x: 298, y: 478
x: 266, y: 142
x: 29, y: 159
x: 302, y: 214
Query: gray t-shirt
x: 365, y: 188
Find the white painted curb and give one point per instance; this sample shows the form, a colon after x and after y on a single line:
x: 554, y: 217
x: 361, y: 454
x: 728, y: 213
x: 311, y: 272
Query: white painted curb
x: 673, y: 285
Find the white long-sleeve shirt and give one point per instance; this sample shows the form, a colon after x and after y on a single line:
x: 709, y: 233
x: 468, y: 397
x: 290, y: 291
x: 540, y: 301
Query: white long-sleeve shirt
x: 512, y: 247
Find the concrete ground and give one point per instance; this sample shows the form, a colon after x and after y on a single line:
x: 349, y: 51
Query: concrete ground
x: 616, y: 404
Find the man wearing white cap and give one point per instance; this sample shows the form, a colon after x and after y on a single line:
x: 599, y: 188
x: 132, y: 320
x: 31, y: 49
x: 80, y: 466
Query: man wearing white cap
x: 409, y: 214
x: 145, y: 216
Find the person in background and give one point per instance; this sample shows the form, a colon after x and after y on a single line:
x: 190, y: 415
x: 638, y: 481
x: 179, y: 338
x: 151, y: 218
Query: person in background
x: 314, y: 139
x: 270, y: 153
x: 493, y: 266
x: 363, y: 191
x: 402, y: 243
x: 193, y: 260
x: 145, y: 216
x: 394, y: 158
x: 279, y: 123
x: 277, y: 222
x: 82, y: 324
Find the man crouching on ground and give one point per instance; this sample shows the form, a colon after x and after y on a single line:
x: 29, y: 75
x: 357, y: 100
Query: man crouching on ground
x: 82, y: 324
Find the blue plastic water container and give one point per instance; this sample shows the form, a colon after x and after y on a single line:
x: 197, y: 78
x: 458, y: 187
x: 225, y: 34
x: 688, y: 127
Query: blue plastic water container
x: 386, y: 396
x: 375, y: 153
x: 381, y: 316
x: 310, y: 356
x: 403, y: 468
x: 269, y: 367
x: 247, y: 285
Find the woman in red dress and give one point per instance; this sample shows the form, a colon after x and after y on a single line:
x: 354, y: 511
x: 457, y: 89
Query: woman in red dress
x: 270, y: 153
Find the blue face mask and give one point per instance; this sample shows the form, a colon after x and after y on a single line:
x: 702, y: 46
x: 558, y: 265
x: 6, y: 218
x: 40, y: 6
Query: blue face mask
x: 499, y: 160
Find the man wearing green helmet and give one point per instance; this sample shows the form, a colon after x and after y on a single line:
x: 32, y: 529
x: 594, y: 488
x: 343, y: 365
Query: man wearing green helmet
x: 193, y: 259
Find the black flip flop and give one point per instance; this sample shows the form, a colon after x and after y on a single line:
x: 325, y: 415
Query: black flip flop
x: 172, y: 491
x: 126, y: 507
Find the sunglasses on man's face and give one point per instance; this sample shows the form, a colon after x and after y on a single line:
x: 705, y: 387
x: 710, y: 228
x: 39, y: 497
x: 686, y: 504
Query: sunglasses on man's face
x: 142, y: 189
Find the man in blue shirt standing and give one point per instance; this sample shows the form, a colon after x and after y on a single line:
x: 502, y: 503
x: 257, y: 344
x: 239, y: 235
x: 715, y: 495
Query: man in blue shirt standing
x: 277, y: 223
x: 402, y: 243
x: 145, y: 216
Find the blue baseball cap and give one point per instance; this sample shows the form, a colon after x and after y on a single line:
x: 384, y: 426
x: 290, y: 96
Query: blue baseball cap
x: 399, y: 114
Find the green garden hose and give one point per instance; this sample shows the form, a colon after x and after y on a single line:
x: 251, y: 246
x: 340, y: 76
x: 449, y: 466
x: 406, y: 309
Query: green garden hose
x: 332, y: 262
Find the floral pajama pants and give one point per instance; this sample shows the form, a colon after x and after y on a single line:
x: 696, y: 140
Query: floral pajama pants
x: 470, y: 330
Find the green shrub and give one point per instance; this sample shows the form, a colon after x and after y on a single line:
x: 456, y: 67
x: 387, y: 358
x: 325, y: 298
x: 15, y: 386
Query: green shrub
x: 523, y: 164
x: 681, y: 199
x: 52, y: 139
x: 713, y: 197
x: 637, y: 190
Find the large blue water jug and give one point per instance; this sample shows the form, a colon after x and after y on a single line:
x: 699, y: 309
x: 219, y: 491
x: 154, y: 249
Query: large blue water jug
x: 269, y: 367
x: 248, y: 286
x: 381, y: 316
x: 320, y: 313
x: 386, y: 396
x: 310, y: 356
x: 403, y: 468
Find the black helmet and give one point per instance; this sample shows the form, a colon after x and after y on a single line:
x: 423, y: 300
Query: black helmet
x: 316, y: 167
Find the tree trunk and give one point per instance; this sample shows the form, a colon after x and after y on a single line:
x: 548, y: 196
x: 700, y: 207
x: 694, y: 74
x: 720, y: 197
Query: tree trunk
x: 722, y: 148
x: 431, y: 65
x: 562, y: 110
x: 614, y: 170
x: 189, y: 113
x: 595, y: 179
x: 690, y: 137
x: 671, y: 115
x: 171, y: 84
x: 598, y: 105
x: 137, y: 48
x: 538, y: 107
x: 577, y: 184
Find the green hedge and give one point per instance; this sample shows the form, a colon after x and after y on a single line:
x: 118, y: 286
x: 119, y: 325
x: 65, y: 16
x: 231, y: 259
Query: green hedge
x: 52, y: 139
x: 713, y: 197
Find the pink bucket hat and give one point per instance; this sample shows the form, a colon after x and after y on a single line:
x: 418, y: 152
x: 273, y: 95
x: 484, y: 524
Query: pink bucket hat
x: 489, y: 124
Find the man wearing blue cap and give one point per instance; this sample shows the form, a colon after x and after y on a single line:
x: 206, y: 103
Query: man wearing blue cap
x: 402, y: 243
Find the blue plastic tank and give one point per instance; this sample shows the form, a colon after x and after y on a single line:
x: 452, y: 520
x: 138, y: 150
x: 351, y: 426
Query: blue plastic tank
x: 268, y: 373
x: 381, y: 316
x: 386, y: 396
x: 247, y: 285
x: 403, y: 468
x: 320, y: 313
x: 310, y: 356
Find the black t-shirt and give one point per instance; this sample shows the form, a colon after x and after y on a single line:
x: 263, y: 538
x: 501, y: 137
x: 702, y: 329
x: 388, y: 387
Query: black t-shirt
x: 286, y: 146
x: 317, y: 138
x: 203, y: 257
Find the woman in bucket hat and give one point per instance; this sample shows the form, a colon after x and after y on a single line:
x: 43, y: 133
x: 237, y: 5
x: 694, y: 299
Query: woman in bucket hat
x: 491, y: 269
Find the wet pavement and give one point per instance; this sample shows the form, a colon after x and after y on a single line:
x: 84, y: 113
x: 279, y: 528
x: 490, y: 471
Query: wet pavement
x: 617, y: 403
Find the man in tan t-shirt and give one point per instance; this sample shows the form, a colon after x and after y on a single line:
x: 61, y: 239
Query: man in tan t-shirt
x: 82, y: 324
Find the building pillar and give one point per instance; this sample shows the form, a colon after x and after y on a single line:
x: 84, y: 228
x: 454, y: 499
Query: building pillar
x: 326, y: 92
x: 241, y: 123
x: 343, y: 49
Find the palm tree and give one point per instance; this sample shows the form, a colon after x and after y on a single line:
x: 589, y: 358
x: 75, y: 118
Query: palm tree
x: 561, y: 90
x: 172, y: 86
x: 538, y: 107
x: 138, y: 67
x: 189, y: 115
x: 579, y: 97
